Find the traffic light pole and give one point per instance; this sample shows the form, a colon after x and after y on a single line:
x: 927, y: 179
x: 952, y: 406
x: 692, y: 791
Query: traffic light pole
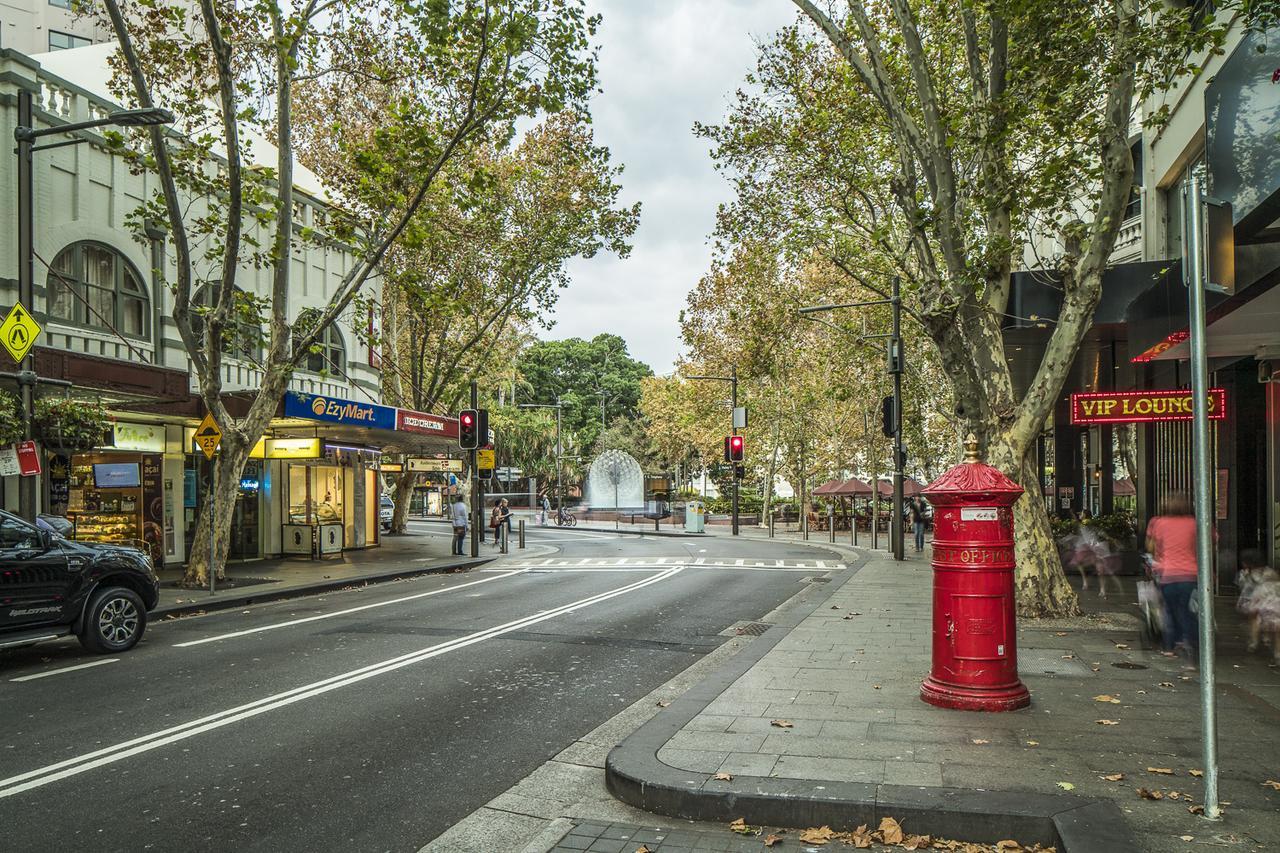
x: 477, y: 499
x: 896, y: 363
x: 26, y: 291
x: 733, y: 420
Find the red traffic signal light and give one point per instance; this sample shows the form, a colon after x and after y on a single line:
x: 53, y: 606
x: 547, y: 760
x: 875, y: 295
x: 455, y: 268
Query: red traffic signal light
x: 737, y: 448
x: 468, y: 435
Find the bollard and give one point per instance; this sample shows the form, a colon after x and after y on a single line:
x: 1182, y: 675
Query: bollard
x: 831, y: 525
x: 502, y: 537
x: 521, y: 541
x: 772, y: 517
x: 656, y: 521
x: 855, y: 529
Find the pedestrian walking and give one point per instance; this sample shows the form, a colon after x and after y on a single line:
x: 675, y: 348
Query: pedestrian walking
x: 918, y: 512
x: 1171, y: 539
x: 546, y: 509
x: 1259, y: 601
x: 459, y: 513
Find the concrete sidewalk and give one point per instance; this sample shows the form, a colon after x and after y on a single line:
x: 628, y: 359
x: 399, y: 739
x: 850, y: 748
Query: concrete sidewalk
x: 822, y: 723
x: 255, y: 581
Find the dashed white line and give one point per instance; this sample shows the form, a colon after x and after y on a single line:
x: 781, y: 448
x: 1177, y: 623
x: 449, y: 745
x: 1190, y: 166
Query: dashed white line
x: 91, y: 663
x: 349, y: 610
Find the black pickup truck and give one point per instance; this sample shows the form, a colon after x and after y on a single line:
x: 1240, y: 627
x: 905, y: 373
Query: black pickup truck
x: 51, y: 587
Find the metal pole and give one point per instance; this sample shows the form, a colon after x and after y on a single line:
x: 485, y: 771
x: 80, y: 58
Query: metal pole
x: 1193, y: 206
x: 733, y: 414
x: 896, y: 353
x: 477, y: 505
x: 772, y: 516
x: 213, y: 474
x: 559, y: 451
x: 875, y: 510
x: 501, y: 531
x: 26, y: 291
x: 520, y: 542
x: 831, y: 524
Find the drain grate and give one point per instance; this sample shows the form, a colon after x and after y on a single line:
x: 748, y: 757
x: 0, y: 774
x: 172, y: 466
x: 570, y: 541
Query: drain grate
x: 746, y: 629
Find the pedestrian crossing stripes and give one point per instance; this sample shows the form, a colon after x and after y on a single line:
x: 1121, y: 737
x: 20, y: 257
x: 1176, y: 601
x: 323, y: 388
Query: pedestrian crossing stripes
x: 638, y: 563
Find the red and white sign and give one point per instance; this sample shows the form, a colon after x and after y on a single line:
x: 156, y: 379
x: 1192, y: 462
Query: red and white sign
x: 1127, y: 407
x: 20, y: 459
x: 422, y: 423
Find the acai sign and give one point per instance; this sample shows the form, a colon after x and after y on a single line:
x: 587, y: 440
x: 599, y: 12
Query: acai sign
x: 317, y: 407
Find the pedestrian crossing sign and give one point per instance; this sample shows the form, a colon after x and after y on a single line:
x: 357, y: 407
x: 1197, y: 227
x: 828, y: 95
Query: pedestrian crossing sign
x: 18, y: 332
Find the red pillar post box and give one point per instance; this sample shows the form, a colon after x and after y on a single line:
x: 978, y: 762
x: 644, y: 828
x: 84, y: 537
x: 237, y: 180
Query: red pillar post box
x: 975, y: 654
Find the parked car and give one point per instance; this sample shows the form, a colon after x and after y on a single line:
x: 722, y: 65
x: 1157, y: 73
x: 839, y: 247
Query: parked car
x: 56, y: 524
x: 387, y: 512
x: 52, y: 587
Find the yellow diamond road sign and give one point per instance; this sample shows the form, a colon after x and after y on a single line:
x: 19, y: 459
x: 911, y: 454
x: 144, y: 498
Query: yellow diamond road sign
x: 18, y: 332
x: 208, y: 434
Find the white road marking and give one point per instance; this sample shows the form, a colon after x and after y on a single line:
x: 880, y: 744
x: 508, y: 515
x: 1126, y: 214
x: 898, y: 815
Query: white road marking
x: 349, y: 610
x: 66, y: 669
x: 109, y: 755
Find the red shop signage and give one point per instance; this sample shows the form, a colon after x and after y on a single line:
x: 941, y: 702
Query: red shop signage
x: 422, y: 423
x: 1128, y: 407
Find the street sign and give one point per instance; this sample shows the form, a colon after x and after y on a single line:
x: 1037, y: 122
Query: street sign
x: 18, y: 332
x: 486, y: 459
x: 740, y: 417
x: 208, y: 435
x: 28, y: 459
x: 436, y: 465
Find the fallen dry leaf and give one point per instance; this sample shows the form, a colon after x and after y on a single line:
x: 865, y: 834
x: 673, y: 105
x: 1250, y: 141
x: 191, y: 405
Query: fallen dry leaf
x: 817, y: 835
x: 1196, y: 773
x: 1008, y: 844
x: 1103, y: 697
x: 1196, y: 809
x: 875, y: 687
x: 663, y: 703
x: 741, y: 827
x: 1033, y: 743
x: 1148, y: 794
x: 1107, y: 722
x: 782, y: 724
x: 1165, y: 684
x: 723, y: 777
x: 1060, y: 633
x: 835, y: 607
x: 1066, y: 786
x: 1113, y: 777
x: 980, y: 741
x: 770, y: 840
x: 1272, y: 784
x: 1163, y: 771
x: 917, y: 842
x: 643, y: 848
x: 890, y: 831
x: 850, y: 616
x: 1068, y: 657
x: 1122, y: 646
x: 1186, y: 838
x: 1175, y: 795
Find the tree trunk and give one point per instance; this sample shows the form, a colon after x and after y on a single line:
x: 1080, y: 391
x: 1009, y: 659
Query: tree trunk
x: 404, y: 497
x: 768, y: 483
x: 1039, y: 582
x: 225, y: 486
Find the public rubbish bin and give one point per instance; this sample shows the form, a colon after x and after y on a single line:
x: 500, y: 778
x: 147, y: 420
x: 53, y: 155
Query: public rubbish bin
x: 695, y: 517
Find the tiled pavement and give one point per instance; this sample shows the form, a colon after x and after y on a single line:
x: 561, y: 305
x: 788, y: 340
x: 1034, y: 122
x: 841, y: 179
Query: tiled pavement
x: 624, y: 838
x: 847, y: 680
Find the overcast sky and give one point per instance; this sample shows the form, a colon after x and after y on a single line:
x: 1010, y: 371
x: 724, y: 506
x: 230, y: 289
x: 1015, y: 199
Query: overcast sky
x: 664, y: 64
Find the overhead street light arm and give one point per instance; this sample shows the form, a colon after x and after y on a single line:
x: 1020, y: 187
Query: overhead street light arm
x: 122, y: 118
x: 814, y: 309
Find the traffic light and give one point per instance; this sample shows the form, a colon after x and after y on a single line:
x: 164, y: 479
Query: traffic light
x: 902, y: 460
x: 887, y: 423
x: 726, y: 448
x: 737, y: 448
x: 469, y: 429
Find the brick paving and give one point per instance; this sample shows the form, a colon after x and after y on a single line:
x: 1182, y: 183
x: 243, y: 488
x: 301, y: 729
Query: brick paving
x: 847, y: 680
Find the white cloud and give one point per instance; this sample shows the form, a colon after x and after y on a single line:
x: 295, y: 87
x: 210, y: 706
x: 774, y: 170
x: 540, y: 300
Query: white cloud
x: 664, y: 64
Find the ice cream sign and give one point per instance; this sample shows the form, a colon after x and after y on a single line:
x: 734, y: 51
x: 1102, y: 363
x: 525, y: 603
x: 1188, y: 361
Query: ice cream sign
x: 1127, y: 407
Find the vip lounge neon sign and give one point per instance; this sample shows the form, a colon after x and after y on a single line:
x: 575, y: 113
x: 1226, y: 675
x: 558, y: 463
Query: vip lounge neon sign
x: 1127, y: 407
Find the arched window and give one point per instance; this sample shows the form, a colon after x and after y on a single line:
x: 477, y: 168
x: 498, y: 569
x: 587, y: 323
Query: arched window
x: 328, y: 354
x: 244, y: 340
x: 93, y: 285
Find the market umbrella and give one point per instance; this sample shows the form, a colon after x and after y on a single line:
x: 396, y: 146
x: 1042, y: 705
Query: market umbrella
x: 826, y: 489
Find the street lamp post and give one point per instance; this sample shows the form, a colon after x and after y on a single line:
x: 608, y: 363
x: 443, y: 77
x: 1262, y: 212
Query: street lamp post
x: 25, y: 135
x: 732, y: 379
x: 895, y: 357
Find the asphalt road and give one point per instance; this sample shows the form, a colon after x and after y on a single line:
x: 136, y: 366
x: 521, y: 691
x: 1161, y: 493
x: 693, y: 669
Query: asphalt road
x: 370, y: 719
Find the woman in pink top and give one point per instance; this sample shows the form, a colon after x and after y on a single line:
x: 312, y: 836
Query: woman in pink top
x: 1171, y: 539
